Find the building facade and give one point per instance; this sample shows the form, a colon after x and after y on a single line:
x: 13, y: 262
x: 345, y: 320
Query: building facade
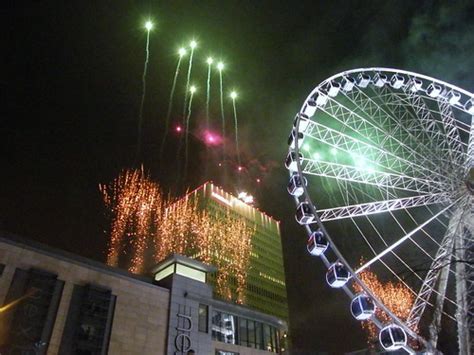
x: 265, y: 286
x: 55, y: 302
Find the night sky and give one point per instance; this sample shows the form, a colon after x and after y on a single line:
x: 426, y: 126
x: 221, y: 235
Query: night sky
x: 71, y: 89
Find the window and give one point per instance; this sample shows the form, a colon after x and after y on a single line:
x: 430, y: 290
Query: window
x: 30, y: 323
x: 190, y: 272
x: 224, y: 327
x: 165, y: 272
x: 249, y: 333
x: 89, y: 321
x: 243, y: 332
x: 259, y: 335
x: 226, y: 352
x: 267, y: 341
x: 203, y: 318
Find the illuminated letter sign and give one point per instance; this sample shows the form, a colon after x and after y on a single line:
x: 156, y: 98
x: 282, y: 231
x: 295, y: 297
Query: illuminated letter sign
x: 182, y: 342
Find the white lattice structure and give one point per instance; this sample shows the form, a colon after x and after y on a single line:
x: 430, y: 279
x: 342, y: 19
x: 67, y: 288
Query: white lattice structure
x: 391, y: 154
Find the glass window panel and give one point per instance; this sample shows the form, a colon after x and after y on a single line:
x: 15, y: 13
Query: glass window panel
x: 218, y: 331
x: 267, y: 341
x: 251, y: 333
x: 165, y: 272
x: 243, y: 332
x: 259, y: 335
x: 230, y: 328
x: 190, y: 272
x: 203, y: 318
x: 273, y: 333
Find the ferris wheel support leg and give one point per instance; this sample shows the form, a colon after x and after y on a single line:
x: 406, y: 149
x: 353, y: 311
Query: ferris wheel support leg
x: 445, y: 261
x: 435, y: 325
x: 464, y: 286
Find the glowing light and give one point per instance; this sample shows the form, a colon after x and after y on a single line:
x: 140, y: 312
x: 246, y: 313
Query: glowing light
x: 149, y: 224
x: 182, y: 52
x: 149, y: 25
x: 333, y: 151
x: 258, y: 180
x: 193, y: 44
x: 221, y: 198
x: 394, y: 295
x: 233, y: 95
x: 192, y: 89
x: 220, y: 164
x: 209, y: 60
x: 245, y: 197
x: 220, y: 66
x: 239, y: 168
x: 306, y: 147
x: 179, y: 129
x: 212, y: 138
x: 316, y: 156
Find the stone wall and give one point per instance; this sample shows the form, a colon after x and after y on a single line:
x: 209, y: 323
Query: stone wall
x: 141, y: 310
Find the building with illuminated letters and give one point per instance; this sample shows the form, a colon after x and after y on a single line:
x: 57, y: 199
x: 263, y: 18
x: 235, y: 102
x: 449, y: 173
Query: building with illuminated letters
x: 54, y: 302
x: 265, y: 287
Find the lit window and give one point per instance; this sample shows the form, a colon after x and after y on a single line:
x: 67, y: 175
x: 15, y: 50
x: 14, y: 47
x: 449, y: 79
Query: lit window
x: 203, y: 318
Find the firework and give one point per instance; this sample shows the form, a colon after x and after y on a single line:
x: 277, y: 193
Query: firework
x: 133, y: 201
x: 394, y: 295
x: 153, y: 225
x: 149, y: 27
x: 233, y: 96
x: 181, y: 53
x: 192, y: 90
x: 220, y: 67
x: 209, y: 62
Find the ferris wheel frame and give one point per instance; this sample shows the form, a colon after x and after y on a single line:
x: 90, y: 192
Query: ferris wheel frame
x: 460, y: 99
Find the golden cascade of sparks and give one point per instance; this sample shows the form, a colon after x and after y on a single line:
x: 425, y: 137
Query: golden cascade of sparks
x: 142, y: 218
x: 394, y: 295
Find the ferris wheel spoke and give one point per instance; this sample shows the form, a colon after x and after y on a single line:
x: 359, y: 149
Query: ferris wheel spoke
x: 470, y: 149
x: 375, y: 155
x: 425, y: 123
x: 369, y: 176
x: 401, y: 240
x: 379, y: 128
x: 405, y: 265
x: 452, y: 133
x: 364, y: 209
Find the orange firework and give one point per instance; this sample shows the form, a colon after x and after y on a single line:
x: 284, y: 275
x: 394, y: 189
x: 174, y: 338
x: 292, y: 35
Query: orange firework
x: 394, y: 295
x: 134, y: 202
x: 141, y: 218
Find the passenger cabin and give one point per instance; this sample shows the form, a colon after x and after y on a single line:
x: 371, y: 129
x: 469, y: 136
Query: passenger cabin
x: 433, y: 90
x: 380, y: 80
x: 362, y: 307
x: 295, y: 186
x: 317, y: 243
x: 397, y: 81
x: 304, y: 122
x: 392, y: 337
x: 295, y: 138
x: 363, y: 80
x: 304, y: 213
x: 348, y: 83
x: 309, y: 108
x: 291, y: 161
x: 337, y: 275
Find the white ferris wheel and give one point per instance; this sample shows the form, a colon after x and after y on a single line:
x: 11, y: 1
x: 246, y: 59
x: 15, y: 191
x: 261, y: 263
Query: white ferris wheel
x: 381, y: 166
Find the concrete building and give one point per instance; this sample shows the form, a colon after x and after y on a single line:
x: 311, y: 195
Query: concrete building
x: 54, y: 302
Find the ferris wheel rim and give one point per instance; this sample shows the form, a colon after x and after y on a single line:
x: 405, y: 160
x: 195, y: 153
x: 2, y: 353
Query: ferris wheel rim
x: 308, y: 198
